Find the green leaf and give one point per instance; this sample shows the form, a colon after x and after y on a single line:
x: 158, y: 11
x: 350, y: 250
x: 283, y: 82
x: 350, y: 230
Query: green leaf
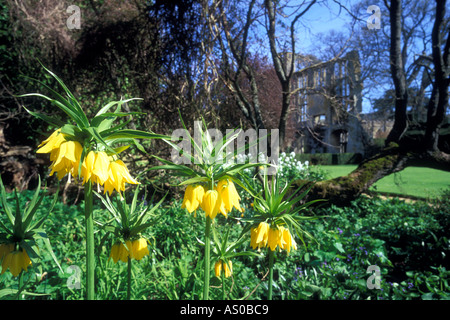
x: 194, y: 180
x: 73, y: 101
x: 32, y: 207
x: 8, y: 292
x: 67, y: 109
x: 52, y: 121
x: 338, y: 246
x: 42, y: 235
x: 135, y: 134
x: 5, y: 202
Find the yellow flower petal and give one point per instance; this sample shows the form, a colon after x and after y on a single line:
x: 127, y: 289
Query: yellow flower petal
x: 211, y: 203
x: 140, y: 248
x: 101, y: 167
x: 227, y: 269
x: 262, y: 234
x: 51, y: 143
x: 115, y: 252
x: 218, y: 268
x: 229, y: 194
x: 274, y: 236
x: 67, y: 159
x: 193, y: 197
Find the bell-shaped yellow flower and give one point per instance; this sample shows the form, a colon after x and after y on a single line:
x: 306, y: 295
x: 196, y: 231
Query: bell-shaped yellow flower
x: 274, y: 238
x: 229, y: 195
x: 139, y: 249
x: 287, y: 241
x: 95, y: 167
x: 66, y: 159
x: 101, y: 168
x: 218, y: 268
x: 114, y: 254
x: 253, y: 236
x: 259, y: 235
x: 121, y: 252
x: 16, y: 261
x: 5, y: 248
x: 51, y: 143
x: 193, y: 197
x: 227, y: 268
x: 118, y: 175
x: 87, y: 166
x: 211, y: 203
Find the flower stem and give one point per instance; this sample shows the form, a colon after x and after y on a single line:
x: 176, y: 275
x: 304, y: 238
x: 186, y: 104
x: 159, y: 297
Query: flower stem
x: 271, y: 256
x: 207, y: 257
x: 90, y: 262
x: 129, y: 279
x: 223, y: 285
x: 19, y: 286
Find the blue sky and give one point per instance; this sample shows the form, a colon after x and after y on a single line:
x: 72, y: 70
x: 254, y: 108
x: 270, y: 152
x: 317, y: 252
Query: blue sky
x: 323, y: 19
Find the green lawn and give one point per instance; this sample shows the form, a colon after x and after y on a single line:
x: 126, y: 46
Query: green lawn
x: 413, y: 181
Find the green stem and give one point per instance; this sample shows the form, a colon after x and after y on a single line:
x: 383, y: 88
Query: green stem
x: 19, y: 286
x: 271, y: 256
x: 207, y: 258
x: 90, y: 256
x: 129, y: 279
x: 223, y: 285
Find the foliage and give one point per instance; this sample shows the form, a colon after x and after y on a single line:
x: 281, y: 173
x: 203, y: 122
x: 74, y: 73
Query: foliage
x: 409, y: 242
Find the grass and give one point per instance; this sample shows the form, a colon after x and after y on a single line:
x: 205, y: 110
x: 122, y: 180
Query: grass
x: 418, y: 182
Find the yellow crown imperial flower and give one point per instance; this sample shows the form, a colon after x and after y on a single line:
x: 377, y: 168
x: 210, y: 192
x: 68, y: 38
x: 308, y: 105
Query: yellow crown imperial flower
x: 218, y: 268
x: 66, y: 159
x: 229, y: 195
x: 121, y: 252
x: 5, y: 248
x: 118, y: 175
x: 287, y: 241
x: 51, y: 143
x: 114, y: 254
x: 100, y: 168
x: 139, y: 249
x: 193, y: 197
x: 227, y: 268
x: 211, y: 203
x: 95, y: 167
x: 274, y: 238
x: 259, y: 235
x: 16, y: 261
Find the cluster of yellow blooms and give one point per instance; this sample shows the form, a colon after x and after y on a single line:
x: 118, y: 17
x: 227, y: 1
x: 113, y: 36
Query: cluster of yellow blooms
x: 97, y: 165
x: 223, y: 198
x: 136, y: 249
x: 15, y: 260
x: 263, y: 235
x: 221, y: 264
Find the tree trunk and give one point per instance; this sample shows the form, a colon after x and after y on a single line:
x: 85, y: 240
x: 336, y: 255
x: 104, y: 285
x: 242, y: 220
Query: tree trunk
x: 398, y: 74
x: 343, y: 190
x: 440, y: 95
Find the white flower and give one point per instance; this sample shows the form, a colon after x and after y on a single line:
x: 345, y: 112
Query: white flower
x: 261, y: 158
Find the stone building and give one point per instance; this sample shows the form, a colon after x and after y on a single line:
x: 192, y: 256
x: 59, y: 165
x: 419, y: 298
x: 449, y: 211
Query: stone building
x: 328, y: 104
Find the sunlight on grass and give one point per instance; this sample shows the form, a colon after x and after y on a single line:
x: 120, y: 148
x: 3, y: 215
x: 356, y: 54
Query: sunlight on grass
x: 413, y: 181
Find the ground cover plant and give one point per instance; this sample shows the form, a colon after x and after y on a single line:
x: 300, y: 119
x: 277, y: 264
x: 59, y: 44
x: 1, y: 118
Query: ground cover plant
x: 407, y: 241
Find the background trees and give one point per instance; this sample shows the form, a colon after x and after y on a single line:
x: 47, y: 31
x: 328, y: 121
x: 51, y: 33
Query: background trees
x: 228, y: 61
